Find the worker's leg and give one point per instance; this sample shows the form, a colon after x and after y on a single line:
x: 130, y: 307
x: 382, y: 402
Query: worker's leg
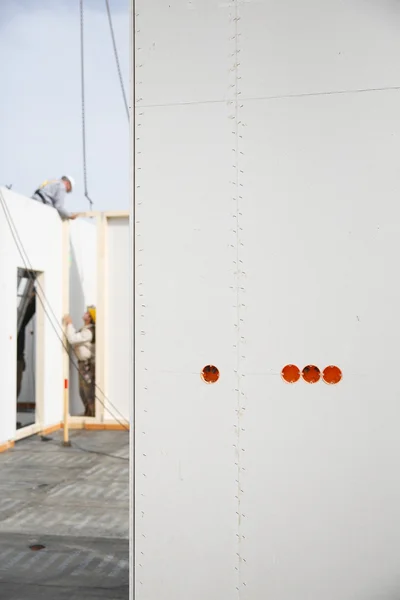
x: 91, y: 390
x: 82, y: 385
x: 87, y: 386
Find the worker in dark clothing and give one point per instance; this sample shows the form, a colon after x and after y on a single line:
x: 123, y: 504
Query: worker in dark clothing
x: 30, y: 311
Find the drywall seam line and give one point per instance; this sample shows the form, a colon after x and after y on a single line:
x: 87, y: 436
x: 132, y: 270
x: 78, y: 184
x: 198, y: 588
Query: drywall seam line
x: 238, y: 345
x: 238, y: 286
x: 394, y: 88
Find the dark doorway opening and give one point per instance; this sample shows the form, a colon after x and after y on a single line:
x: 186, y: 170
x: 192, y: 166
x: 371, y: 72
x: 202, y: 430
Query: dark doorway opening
x: 26, y: 348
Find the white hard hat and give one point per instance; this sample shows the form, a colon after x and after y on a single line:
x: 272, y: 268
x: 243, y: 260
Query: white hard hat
x: 71, y: 180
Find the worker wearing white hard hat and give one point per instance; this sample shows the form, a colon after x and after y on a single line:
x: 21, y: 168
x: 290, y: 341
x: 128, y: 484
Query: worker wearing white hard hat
x: 70, y: 180
x: 53, y: 192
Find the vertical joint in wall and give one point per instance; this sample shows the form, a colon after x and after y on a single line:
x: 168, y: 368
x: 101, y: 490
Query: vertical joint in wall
x: 238, y: 285
x: 140, y: 320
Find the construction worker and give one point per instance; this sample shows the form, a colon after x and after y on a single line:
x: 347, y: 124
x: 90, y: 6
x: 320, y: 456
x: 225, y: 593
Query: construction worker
x: 53, y: 192
x: 83, y: 343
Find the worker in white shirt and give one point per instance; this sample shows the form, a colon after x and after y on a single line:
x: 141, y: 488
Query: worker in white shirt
x: 53, y: 193
x: 84, y: 342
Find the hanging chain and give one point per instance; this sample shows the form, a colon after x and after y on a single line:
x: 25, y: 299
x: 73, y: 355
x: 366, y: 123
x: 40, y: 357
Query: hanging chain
x: 83, y: 107
x: 117, y: 59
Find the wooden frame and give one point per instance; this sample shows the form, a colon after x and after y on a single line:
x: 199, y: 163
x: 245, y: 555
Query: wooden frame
x: 108, y: 216
x: 111, y: 214
x: 99, y: 421
x: 100, y: 319
x: 65, y: 310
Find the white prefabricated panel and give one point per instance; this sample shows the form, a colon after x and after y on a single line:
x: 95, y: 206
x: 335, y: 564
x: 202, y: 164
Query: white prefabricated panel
x: 117, y: 335
x: 267, y: 224
x: 82, y: 289
x: 31, y: 238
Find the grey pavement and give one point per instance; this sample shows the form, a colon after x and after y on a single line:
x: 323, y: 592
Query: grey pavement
x: 75, y: 503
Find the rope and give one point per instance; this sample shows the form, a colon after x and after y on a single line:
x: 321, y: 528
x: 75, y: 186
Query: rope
x: 117, y: 59
x: 83, y: 107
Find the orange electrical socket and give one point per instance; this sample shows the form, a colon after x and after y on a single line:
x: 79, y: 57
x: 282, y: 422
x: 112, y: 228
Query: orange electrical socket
x: 290, y: 373
x: 332, y: 375
x: 311, y: 374
x: 210, y: 374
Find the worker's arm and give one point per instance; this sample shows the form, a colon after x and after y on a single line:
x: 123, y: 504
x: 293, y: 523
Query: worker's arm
x: 58, y: 201
x: 78, y: 337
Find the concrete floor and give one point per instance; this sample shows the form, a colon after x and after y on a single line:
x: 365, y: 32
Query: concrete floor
x: 76, y: 504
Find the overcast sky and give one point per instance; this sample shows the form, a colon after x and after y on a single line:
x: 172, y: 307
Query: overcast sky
x: 40, y: 100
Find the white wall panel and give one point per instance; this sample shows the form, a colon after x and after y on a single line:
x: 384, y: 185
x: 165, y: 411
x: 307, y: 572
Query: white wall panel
x: 291, y: 47
x: 320, y: 239
x: 320, y: 499
x: 185, y: 261
x: 44, y: 254
x: 185, y: 275
x: 267, y: 233
x: 320, y: 229
x: 192, y: 68
x: 117, y: 356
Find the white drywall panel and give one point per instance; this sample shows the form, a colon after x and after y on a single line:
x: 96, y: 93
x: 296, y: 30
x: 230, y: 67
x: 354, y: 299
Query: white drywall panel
x: 290, y: 47
x: 320, y: 232
x: 321, y: 224
x: 83, y: 289
x: 39, y: 230
x: 176, y: 64
x: 314, y: 509
x: 185, y: 320
x: 117, y: 335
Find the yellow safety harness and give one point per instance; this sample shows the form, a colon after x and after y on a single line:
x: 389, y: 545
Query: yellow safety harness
x: 47, y: 182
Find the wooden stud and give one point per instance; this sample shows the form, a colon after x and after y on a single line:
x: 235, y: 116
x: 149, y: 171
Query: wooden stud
x: 6, y: 446
x: 116, y: 214
x: 111, y: 214
x: 90, y: 425
x: 116, y: 427
x: 105, y: 427
x: 51, y: 429
x: 89, y: 214
x: 65, y: 307
x: 106, y: 267
x: 100, y: 319
x: 108, y: 216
